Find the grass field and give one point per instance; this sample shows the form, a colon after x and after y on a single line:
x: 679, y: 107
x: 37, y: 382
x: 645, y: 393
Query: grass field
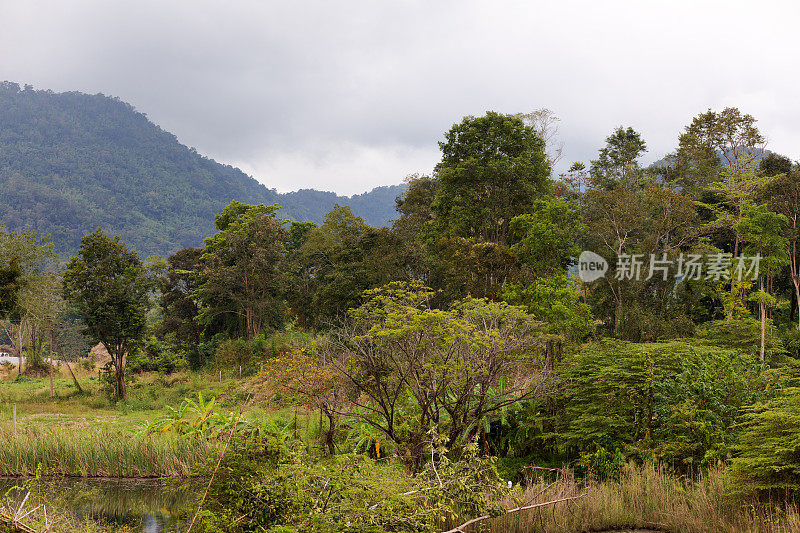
x: 86, y: 434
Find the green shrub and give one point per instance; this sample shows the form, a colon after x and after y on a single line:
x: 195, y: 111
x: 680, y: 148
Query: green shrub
x: 743, y: 334
x: 88, y: 362
x: 768, y: 450
x: 156, y: 355
x: 261, y: 486
x: 601, y: 464
x: 790, y: 337
x: 249, y: 353
x: 676, y: 401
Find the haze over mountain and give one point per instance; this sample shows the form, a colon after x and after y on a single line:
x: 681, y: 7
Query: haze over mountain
x: 70, y: 162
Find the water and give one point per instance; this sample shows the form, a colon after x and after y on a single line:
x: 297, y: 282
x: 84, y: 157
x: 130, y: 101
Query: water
x: 154, y: 505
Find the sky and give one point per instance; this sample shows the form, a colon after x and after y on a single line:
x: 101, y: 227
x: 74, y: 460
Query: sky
x: 346, y: 96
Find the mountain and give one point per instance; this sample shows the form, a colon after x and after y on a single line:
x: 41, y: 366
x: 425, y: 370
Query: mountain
x: 70, y: 162
x: 758, y: 155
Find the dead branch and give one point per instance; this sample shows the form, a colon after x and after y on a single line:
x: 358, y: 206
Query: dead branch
x: 460, y: 529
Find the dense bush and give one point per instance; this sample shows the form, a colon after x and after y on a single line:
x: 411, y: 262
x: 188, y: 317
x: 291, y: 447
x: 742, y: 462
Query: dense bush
x: 156, y: 355
x: 742, y: 334
x: 262, y: 485
x: 676, y: 401
x: 768, y: 451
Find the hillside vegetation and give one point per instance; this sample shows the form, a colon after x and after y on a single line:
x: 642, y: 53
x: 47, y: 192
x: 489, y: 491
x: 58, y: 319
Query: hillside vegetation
x: 70, y: 162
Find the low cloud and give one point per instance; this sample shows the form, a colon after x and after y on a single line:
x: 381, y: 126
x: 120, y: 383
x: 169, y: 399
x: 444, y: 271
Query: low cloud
x: 346, y: 96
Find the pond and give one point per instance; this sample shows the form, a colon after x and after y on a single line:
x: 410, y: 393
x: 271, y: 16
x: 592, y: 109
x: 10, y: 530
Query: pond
x: 155, y: 506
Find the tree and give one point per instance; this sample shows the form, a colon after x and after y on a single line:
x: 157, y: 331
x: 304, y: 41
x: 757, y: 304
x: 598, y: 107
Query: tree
x: 767, y: 450
x: 492, y: 169
x: 617, y: 162
x: 413, y: 227
x: 555, y: 301
x: 315, y: 379
x: 180, y: 303
x: 243, y: 274
x: 678, y: 401
x: 412, y: 368
x: 547, y: 237
x: 10, y: 282
x: 108, y: 286
x: 763, y: 231
x: 30, y: 260
x: 783, y: 195
x: 545, y: 123
x: 650, y: 221
x: 41, y: 303
x: 332, y: 268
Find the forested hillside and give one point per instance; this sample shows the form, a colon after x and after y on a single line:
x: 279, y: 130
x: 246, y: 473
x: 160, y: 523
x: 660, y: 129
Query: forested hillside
x: 70, y: 162
x: 442, y: 370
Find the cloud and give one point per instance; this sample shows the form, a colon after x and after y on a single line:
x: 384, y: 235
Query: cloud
x: 349, y: 95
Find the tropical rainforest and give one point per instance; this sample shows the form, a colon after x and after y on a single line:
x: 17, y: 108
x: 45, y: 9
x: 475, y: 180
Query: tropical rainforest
x: 456, y: 370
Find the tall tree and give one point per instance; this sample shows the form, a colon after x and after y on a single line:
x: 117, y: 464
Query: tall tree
x: 617, y: 163
x: 546, y: 238
x: 763, y: 230
x: 545, y: 123
x: 783, y: 196
x: 492, y: 169
x: 332, y: 265
x: 244, y: 273
x: 108, y: 286
x: 30, y: 259
x: 180, y: 303
x: 626, y: 215
x: 715, y: 141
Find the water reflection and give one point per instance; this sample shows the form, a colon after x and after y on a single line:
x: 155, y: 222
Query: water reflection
x: 154, y: 505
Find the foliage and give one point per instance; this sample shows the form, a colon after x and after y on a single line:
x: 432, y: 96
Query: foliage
x: 548, y: 236
x: 555, y: 301
x: 617, y: 162
x: 767, y: 450
x: 74, y: 161
x: 412, y: 367
x: 108, y: 286
x: 180, y: 307
x: 677, y: 401
x: 243, y: 271
x: 264, y: 484
x: 156, y: 355
x: 739, y: 335
x: 493, y: 167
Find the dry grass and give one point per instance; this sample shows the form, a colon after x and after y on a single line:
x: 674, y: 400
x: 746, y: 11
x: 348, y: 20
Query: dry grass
x: 644, y: 498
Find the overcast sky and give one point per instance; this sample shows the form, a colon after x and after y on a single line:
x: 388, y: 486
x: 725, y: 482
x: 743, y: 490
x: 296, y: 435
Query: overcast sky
x: 345, y: 96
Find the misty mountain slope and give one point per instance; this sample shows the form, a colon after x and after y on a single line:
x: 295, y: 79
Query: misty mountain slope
x: 70, y: 162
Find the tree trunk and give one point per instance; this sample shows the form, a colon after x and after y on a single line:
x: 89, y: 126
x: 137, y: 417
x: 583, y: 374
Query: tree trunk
x: 52, y: 392
x: 762, y: 308
x: 19, y: 348
x: 796, y: 283
x: 120, y: 383
x: 329, y: 435
x: 119, y: 373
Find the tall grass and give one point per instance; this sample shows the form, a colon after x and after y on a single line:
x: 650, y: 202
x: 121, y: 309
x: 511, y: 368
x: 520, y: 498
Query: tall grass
x: 98, y: 453
x: 648, y: 498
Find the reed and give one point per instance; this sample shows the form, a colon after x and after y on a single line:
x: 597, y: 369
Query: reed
x: 645, y: 497
x: 98, y: 453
